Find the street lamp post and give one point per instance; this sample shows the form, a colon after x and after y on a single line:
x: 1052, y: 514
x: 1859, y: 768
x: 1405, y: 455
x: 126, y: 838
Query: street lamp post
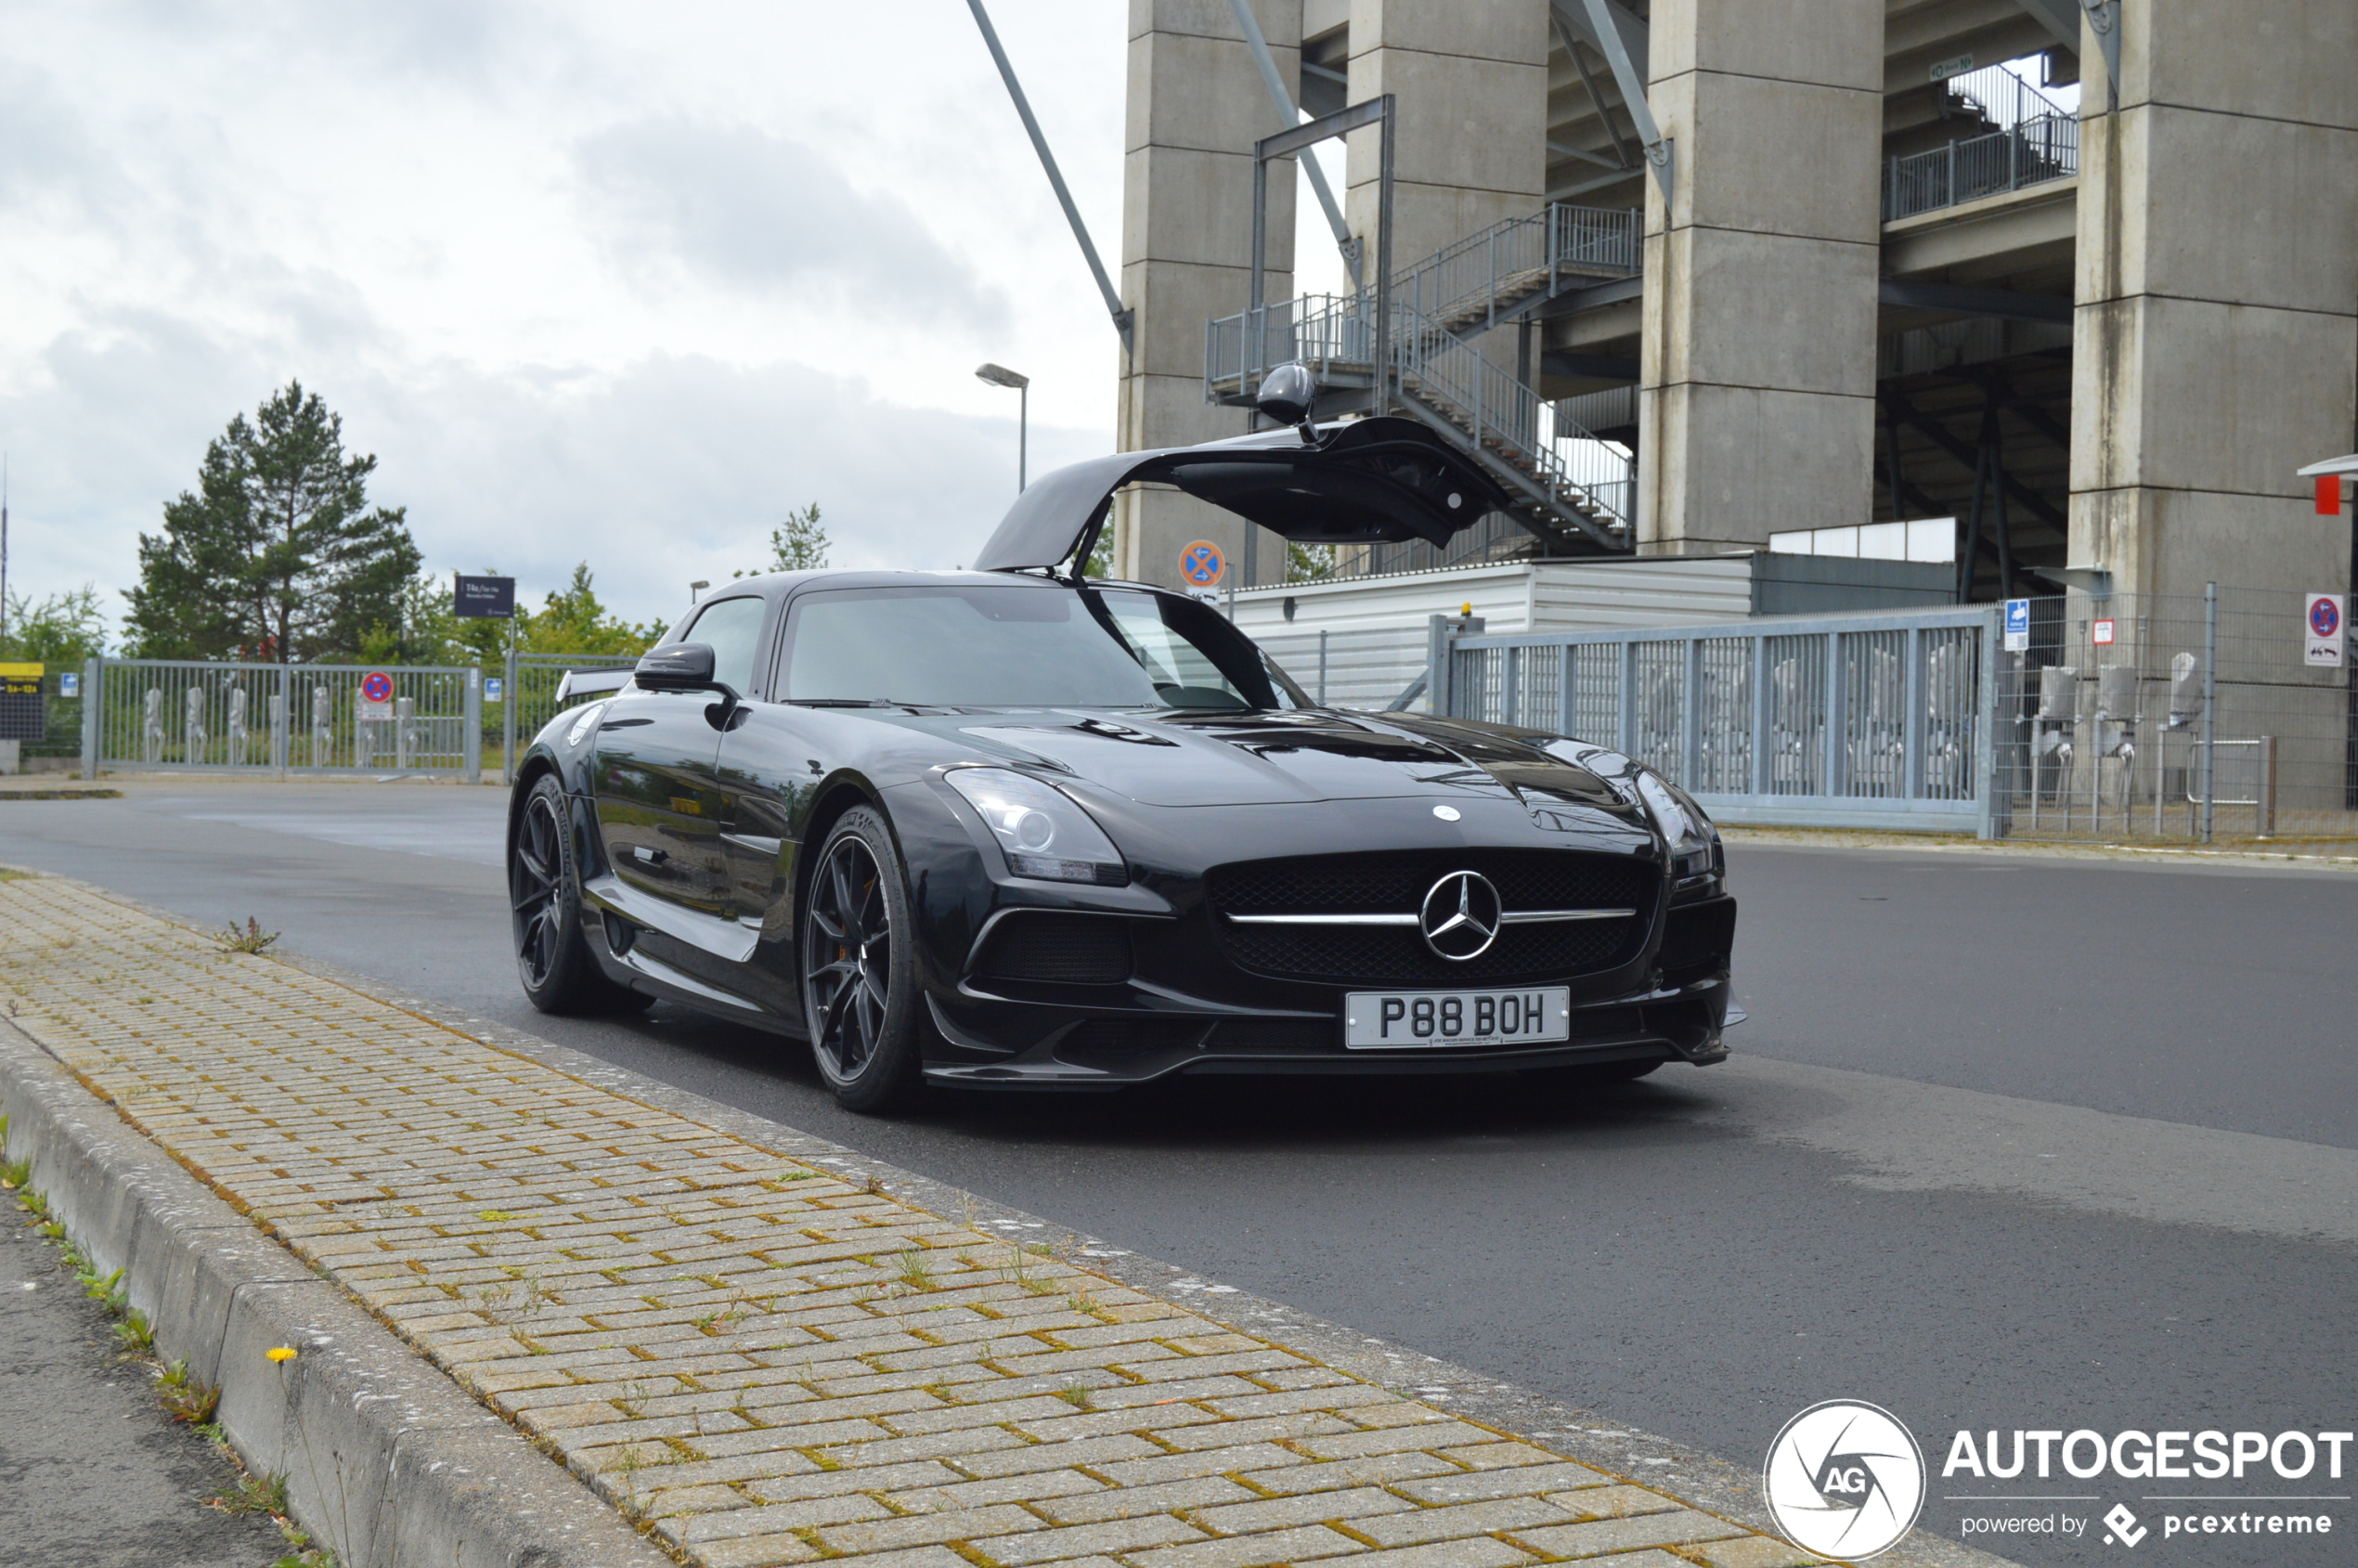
x: 694, y: 589
x: 999, y: 375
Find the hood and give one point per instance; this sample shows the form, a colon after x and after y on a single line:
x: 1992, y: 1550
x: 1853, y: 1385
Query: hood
x: 1385, y: 479
x: 1184, y: 759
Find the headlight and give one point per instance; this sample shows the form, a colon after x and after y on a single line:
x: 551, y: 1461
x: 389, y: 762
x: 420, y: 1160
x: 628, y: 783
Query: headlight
x: 1042, y: 832
x: 1694, y: 843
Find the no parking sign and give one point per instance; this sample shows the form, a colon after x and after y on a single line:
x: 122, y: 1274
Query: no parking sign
x: 2321, y: 631
x: 376, y: 695
x: 1202, y: 564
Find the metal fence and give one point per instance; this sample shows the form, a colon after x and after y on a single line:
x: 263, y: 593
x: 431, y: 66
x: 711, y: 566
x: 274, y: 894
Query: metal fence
x: 1868, y: 721
x: 1364, y: 668
x: 528, y: 695
x: 1485, y: 273
x: 2037, y: 150
x: 185, y: 715
x: 2119, y: 709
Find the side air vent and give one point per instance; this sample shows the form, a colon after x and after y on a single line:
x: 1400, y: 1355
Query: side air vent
x: 1058, y: 949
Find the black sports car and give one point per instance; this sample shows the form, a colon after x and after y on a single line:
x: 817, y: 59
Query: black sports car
x: 1006, y: 827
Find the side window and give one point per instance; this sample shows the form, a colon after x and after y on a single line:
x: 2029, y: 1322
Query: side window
x: 733, y: 628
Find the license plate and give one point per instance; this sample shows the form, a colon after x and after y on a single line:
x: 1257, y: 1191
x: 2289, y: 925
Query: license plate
x: 1411, y: 1020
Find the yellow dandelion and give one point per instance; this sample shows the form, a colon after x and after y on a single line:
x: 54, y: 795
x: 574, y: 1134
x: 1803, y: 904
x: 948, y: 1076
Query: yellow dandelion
x: 280, y: 1352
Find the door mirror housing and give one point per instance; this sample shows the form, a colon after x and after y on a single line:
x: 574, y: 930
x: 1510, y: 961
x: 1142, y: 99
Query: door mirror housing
x: 676, y: 667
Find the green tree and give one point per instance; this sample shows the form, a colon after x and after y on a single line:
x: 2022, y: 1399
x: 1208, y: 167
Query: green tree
x: 63, y: 631
x: 575, y: 621
x: 278, y: 553
x: 1308, y: 562
x: 798, y: 544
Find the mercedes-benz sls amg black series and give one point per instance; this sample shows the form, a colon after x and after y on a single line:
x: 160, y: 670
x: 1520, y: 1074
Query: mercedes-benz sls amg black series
x: 1006, y: 827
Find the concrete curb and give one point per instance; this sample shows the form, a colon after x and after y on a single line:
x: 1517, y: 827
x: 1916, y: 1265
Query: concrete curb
x: 387, y: 1460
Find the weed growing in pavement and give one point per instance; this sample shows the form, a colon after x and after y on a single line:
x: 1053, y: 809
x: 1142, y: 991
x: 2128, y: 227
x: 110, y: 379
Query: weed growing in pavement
x: 873, y: 1186
x: 252, y: 1494
x: 913, y: 1272
x: 632, y: 1399
x: 250, y: 938
x: 1075, y: 1395
x: 518, y: 1299
x: 186, y: 1397
x: 1085, y: 1302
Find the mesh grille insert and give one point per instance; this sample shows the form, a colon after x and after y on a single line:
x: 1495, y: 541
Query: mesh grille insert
x: 1059, y: 949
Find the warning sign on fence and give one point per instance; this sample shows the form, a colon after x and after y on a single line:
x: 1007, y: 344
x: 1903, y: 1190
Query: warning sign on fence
x: 376, y: 695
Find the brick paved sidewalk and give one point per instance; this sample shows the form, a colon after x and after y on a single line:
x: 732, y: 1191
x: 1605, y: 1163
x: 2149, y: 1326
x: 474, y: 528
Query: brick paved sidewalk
x: 756, y: 1361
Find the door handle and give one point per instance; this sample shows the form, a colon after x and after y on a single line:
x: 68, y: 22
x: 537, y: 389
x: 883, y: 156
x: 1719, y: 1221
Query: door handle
x: 652, y: 857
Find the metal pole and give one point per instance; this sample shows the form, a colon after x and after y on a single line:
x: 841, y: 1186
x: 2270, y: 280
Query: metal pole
x: 1123, y: 318
x: 94, y: 707
x: 1381, y: 357
x: 471, y: 753
x: 508, y: 698
x: 2210, y: 703
x: 1322, y: 666
x: 1023, y: 437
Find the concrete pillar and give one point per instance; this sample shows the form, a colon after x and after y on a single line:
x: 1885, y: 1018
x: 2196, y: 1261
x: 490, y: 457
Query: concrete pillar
x: 1471, y: 82
x: 1196, y: 106
x: 1757, y: 381
x: 2217, y: 323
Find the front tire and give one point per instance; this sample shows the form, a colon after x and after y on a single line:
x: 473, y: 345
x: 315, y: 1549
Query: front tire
x: 560, y: 974
x: 860, y: 995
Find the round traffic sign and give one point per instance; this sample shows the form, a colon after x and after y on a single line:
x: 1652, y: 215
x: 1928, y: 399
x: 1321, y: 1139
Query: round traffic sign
x: 2325, y: 616
x: 377, y: 686
x: 1201, y: 562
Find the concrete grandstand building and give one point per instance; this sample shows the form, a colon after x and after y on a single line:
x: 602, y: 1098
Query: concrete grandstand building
x: 2084, y: 277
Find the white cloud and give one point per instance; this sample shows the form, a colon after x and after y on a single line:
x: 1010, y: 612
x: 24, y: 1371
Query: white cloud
x: 592, y: 281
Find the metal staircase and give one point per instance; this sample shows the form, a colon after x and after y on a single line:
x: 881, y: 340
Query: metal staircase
x: 1573, y: 492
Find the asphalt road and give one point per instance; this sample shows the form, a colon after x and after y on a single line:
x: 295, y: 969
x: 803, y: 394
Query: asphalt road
x: 2010, y: 1141
x: 92, y: 1471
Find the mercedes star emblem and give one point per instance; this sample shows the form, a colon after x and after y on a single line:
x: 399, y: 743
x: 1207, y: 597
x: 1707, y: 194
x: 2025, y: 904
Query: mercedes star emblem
x: 1461, y: 917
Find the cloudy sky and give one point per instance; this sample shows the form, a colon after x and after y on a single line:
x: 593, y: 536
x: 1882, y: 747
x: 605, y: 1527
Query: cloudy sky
x: 592, y: 281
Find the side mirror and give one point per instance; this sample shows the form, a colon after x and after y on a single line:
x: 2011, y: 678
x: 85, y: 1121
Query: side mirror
x: 1288, y: 394
x: 676, y: 667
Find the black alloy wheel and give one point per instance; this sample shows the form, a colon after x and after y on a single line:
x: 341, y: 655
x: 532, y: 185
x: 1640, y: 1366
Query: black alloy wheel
x: 560, y: 975
x: 859, y: 992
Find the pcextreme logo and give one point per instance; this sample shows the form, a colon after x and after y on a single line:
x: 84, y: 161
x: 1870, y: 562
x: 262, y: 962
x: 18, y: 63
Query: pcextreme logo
x: 1845, y: 1479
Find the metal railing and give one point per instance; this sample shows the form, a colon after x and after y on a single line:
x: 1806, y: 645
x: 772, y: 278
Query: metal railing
x: 1872, y: 720
x: 2044, y: 148
x: 1504, y: 417
x: 2000, y: 96
x: 176, y: 715
x: 1480, y: 276
x: 1464, y: 287
x: 528, y: 695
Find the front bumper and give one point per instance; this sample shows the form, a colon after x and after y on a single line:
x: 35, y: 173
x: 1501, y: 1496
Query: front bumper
x: 1073, y: 1052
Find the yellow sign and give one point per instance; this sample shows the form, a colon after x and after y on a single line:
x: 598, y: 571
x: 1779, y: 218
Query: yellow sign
x: 21, y: 679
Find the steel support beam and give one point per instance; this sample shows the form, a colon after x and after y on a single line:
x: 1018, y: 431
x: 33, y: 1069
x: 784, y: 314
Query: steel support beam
x: 1124, y: 319
x: 1932, y: 430
x: 1597, y: 22
x: 1345, y: 241
x: 2007, y: 303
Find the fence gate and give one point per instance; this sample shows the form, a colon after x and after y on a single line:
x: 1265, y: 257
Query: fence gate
x: 1879, y: 720
x: 186, y: 714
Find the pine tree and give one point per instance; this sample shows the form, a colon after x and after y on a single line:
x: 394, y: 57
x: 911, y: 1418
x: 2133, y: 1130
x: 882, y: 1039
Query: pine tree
x: 798, y: 544
x: 278, y: 553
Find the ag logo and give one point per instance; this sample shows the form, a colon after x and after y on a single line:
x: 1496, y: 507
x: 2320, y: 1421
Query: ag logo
x: 1844, y: 1479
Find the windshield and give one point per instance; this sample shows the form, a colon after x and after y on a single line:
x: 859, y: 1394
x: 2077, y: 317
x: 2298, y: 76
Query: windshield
x: 1022, y: 645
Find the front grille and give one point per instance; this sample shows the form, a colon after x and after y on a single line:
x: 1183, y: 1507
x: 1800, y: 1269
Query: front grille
x: 1397, y: 883
x: 1059, y: 949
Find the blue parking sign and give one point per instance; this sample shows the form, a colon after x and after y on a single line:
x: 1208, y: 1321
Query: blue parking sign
x: 2018, y: 625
